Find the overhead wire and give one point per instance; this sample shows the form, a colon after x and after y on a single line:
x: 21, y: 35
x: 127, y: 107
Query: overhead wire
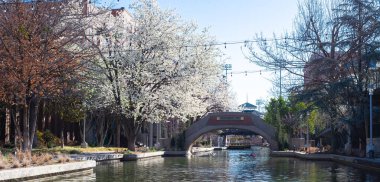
x: 205, y: 45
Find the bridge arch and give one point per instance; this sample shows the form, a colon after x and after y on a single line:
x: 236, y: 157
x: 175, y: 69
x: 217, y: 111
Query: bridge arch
x: 230, y: 120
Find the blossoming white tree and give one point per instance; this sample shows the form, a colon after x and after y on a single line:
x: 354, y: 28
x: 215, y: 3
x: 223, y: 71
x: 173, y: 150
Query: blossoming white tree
x: 155, y: 67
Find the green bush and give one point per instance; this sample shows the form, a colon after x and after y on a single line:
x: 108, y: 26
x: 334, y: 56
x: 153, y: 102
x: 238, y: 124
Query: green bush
x: 74, y: 152
x: 9, y: 145
x: 50, y: 139
x: 40, y: 140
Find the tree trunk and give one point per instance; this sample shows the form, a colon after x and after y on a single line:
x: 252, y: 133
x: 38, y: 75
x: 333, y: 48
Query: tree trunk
x: 26, y: 128
x: 7, y: 126
x: 348, y: 145
x: 62, y: 134
x: 104, y: 129
x: 43, y: 121
x: 131, y: 140
x: 33, y: 120
x: 129, y: 131
x: 110, y: 140
x: 81, y: 129
x: 99, y: 123
x: 118, y: 131
x: 55, y: 122
x: 15, y: 116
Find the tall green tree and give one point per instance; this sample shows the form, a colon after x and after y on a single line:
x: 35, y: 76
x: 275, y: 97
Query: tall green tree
x: 276, y: 110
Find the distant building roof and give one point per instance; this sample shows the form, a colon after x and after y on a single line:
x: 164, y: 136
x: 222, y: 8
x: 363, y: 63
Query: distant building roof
x: 250, y: 108
x: 247, y: 106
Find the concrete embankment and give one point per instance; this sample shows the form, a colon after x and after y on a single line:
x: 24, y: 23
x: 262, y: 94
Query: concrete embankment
x: 148, y: 155
x: 98, y: 157
x: 27, y: 173
x: 175, y: 154
x: 140, y: 156
x: 85, y: 162
x: 363, y: 163
x: 134, y: 157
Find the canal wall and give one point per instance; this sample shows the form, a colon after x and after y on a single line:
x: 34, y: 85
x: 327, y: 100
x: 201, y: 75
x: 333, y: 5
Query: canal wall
x: 363, y: 163
x: 28, y: 173
x: 98, y: 157
x: 109, y: 157
x: 144, y: 156
x: 175, y: 154
x: 85, y: 162
x: 103, y: 157
x: 134, y: 157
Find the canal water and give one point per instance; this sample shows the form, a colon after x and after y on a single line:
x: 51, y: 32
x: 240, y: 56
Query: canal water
x: 230, y: 165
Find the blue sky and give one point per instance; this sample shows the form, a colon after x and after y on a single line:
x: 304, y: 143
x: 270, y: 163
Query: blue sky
x: 238, y: 20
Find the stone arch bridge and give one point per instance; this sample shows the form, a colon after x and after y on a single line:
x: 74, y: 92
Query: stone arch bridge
x: 230, y: 120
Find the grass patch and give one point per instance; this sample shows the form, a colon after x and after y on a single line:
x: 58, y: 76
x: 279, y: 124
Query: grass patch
x: 78, y: 150
x: 68, y: 150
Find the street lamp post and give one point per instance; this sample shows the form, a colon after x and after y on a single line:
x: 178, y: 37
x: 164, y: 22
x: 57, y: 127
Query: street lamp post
x: 227, y: 67
x: 84, y: 143
x: 370, y: 147
x: 307, y: 132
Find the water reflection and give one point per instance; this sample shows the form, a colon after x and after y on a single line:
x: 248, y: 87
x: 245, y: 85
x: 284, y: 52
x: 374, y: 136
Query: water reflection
x: 226, y: 166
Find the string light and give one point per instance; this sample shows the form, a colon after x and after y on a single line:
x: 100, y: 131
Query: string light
x: 215, y: 44
x: 246, y: 73
x: 245, y: 42
x: 249, y: 71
